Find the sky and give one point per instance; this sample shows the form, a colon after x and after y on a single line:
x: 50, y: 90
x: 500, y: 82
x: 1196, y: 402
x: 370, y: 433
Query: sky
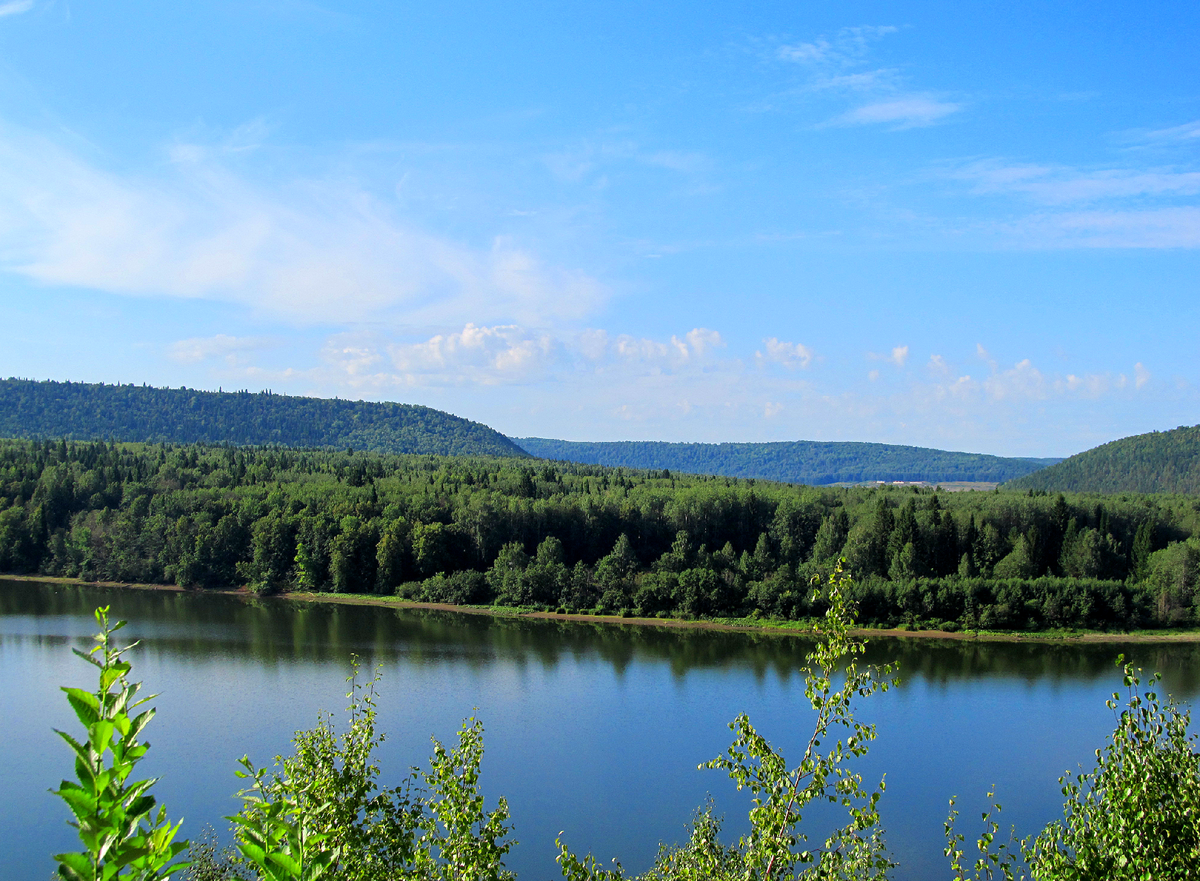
x: 965, y: 226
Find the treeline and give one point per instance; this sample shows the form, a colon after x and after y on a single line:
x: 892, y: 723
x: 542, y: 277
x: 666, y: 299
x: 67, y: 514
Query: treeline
x: 813, y: 462
x: 586, y: 538
x: 1161, y: 461
x: 87, y: 411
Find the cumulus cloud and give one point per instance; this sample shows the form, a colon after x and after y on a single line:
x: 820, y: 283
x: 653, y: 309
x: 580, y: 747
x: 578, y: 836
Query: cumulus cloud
x: 481, y: 355
x: 692, y: 347
x: 898, y: 356
x: 1141, y: 375
x: 308, y: 251
x: 790, y: 355
x: 508, y: 354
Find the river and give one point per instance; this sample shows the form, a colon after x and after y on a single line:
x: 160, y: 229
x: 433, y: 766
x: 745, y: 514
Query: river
x: 592, y: 730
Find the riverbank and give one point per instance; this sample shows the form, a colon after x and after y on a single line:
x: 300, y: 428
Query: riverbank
x: 756, y: 625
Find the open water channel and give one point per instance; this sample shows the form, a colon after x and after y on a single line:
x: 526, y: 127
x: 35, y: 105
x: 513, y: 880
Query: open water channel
x: 592, y: 730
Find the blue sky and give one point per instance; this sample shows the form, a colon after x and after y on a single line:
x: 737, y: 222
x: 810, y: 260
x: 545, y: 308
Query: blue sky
x: 967, y: 226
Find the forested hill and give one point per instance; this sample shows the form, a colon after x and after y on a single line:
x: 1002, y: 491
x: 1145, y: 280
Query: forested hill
x: 1161, y: 461
x: 84, y: 411
x: 811, y: 462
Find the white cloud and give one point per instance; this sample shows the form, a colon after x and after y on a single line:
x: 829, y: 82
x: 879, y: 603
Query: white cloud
x: 790, y: 355
x: 1141, y: 374
x: 847, y: 48
x: 907, y: 111
x: 1150, y: 228
x: 898, y: 356
x: 1180, y: 133
x: 702, y: 340
x: 985, y: 356
x: 230, y: 348
x: 480, y: 355
x: 308, y: 251
x: 836, y: 65
x: 938, y: 366
x: 1055, y: 185
x: 15, y: 7
x: 1091, y: 208
x: 693, y: 347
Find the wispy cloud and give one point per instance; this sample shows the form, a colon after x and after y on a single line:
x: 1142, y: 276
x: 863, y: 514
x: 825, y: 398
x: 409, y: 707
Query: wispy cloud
x: 1189, y: 131
x: 840, y: 65
x: 1089, y: 208
x: 1131, y: 228
x: 1055, y: 185
x: 232, y: 350
x: 15, y: 7
x: 309, y: 251
x: 847, y: 48
x: 905, y: 112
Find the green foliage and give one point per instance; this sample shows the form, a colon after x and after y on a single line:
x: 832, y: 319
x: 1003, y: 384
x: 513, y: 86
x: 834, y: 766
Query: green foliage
x: 1158, y: 462
x: 811, y: 462
x: 122, y: 835
x: 83, y: 411
x: 776, y: 847
x: 1135, y: 816
x: 322, y: 813
x: 475, y: 530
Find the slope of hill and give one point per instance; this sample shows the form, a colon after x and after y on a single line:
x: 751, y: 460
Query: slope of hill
x: 1158, y: 462
x: 85, y: 411
x: 811, y: 462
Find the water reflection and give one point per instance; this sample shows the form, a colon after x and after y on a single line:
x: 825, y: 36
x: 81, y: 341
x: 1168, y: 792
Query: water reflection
x: 276, y: 631
x: 593, y: 727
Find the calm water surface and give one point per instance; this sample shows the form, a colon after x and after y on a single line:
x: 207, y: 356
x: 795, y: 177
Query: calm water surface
x: 591, y: 730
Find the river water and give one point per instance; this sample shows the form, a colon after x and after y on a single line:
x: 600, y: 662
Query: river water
x: 591, y: 730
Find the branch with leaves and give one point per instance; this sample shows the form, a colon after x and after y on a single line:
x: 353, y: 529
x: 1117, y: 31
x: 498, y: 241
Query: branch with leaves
x: 123, y: 836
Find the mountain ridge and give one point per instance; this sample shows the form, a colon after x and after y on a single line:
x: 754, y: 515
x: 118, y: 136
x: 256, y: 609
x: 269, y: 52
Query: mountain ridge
x: 811, y: 462
x: 98, y: 411
x: 1157, y: 461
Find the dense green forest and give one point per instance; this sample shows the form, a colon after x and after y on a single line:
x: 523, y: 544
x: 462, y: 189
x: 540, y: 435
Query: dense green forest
x: 86, y: 411
x: 1161, y: 461
x: 812, y: 462
x: 583, y: 537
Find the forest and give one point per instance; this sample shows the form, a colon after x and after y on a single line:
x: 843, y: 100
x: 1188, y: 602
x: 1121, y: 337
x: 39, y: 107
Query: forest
x: 570, y: 537
x: 1160, y: 461
x: 810, y: 462
x: 94, y: 411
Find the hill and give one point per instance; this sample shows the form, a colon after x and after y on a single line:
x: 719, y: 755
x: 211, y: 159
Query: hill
x: 85, y: 411
x: 1158, y: 462
x: 811, y: 462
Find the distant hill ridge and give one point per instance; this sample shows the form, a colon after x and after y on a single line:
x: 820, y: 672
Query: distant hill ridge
x: 1161, y: 461
x: 86, y: 411
x: 811, y: 462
